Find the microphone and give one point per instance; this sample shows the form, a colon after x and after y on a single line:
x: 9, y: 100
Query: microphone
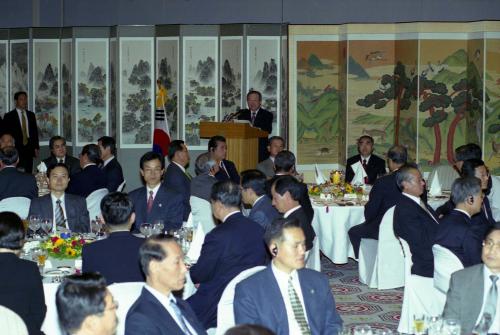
x: 232, y: 116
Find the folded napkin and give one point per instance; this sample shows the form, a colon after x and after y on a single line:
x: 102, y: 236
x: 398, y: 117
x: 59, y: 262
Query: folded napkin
x: 435, y: 185
x: 359, y: 174
x: 42, y: 167
x: 320, y: 178
x: 195, y: 248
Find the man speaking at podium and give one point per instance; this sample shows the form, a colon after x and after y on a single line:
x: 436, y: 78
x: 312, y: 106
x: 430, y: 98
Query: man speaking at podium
x: 258, y: 117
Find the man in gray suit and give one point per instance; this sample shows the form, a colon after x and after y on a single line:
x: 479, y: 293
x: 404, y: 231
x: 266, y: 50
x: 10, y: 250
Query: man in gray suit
x: 276, y: 145
x: 474, y: 290
x: 201, y: 185
x: 67, y: 211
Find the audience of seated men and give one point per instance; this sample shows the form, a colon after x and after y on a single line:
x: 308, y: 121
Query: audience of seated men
x: 236, y: 244
x: 473, y: 291
x: 276, y: 145
x: 201, y: 185
x: 253, y: 193
x: 110, y: 165
x: 58, y: 154
x: 155, y: 201
x: 286, y: 192
x: 67, y: 211
x: 21, y: 290
x: 285, y: 297
x: 455, y: 231
x: 383, y: 196
x: 415, y: 221
x: 115, y: 257
x: 14, y: 183
x: 177, y: 177
x: 85, y: 306
x: 6, y: 140
x: 226, y: 170
x: 373, y: 165
x: 157, y: 310
x: 91, y: 178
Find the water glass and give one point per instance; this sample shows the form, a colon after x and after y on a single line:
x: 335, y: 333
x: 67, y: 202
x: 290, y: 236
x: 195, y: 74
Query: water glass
x: 383, y: 331
x: 419, y: 324
x: 146, y: 229
x: 46, y: 226
x: 35, y: 224
x: 95, y: 228
x: 451, y: 327
x: 434, y: 324
x: 362, y: 330
x: 158, y: 227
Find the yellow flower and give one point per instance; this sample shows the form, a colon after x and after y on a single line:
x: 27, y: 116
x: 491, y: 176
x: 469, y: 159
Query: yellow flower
x: 348, y: 188
x: 59, y: 242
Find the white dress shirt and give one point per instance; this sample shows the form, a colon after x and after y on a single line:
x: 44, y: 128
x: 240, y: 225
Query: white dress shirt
x: 282, y: 279
x: 227, y: 216
x: 106, y: 162
x: 183, y: 169
x: 367, y: 159
x: 154, y: 189
x: 495, y: 324
x: 290, y: 211
x: 54, y: 208
x: 417, y: 200
x: 20, y: 115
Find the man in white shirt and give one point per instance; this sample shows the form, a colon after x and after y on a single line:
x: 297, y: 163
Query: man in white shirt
x: 157, y: 311
x: 285, y: 297
x: 474, y: 291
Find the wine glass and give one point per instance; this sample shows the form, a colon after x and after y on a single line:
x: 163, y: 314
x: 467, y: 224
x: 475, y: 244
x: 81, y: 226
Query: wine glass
x: 434, y: 324
x: 362, y: 330
x: 46, y: 226
x: 95, y: 228
x: 40, y: 255
x: 158, y: 227
x: 451, y: 327
x: 146, y: 229
x: 34, y: 225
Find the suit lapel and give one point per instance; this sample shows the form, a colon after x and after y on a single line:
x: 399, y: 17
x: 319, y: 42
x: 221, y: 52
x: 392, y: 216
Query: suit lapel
x: 167, y: 322
x: 278, y: 305
x: 310, y: 297
x: 474, y: 295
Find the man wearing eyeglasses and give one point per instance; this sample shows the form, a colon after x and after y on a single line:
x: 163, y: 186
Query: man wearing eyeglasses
x: 473, y: 291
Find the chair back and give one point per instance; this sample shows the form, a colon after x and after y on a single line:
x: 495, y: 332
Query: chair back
x: 225, y: 311
x: 407, y: 256
x: 125, y: 294
x: 51, y: 323
x: 202, y: 213
x: 94, y: 202
x: 18, y: 205
x: 121, y: 187
x: 11, y: 322
x: 445, y: 263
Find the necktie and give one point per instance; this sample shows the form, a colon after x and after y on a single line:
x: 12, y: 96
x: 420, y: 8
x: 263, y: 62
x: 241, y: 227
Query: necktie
x: 59, y: 215
x: 24, y: 127
x: 366, y: 169
x: 178, y: 313
x: 424, y: 207
x: 150, y: 202
x: 253, y: 117
x: 485, y: 211
x: 298, y: 311
x: 61, y: 161
x: 490, y: 305
x: 188, y: 175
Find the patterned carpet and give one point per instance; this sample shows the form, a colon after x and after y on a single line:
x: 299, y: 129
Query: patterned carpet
x: 357, y: 303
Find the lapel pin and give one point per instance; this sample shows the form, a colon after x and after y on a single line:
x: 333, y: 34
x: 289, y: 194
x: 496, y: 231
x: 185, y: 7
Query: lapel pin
x: 312, y: 291
x: 159, y: 205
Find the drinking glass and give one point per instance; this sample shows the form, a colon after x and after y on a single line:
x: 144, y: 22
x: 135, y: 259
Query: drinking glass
x: 346, y: 330
x: 46, y: 226
x: 434, y: 324
x: 419, y: 324
x: 362, y: 330
x: 34, y: 225
x: 40, y: 255
x: 188, y: 234
x: 146, y: 229
x: 95, y: 228
x: 158, y: 227
x: 383, y: 331
x: 451, y: 327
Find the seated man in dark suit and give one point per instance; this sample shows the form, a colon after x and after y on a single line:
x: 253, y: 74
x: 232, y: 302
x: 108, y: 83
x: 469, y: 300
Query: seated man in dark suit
x: 155, y: 201
x: 176, y: 177
x: 101, y: 256
x: 253, y: 193
x: 258, y: 117
x: 236, y: 244
x: 58, y: 154
x: 85, y: 305
x: 67, y: 211
x: 201, y: 185
x: 14, y: 183
x: 275, y: 146
x: 225, y: 169
x: 374, y: 166
x: 309, y: 309
x: 286, y: 193
x: 110, y: 165
x: 383, y: 196
x: 157, y: 310
x: 455, y: 231
x: 91, y: 178
x: 415, y: 221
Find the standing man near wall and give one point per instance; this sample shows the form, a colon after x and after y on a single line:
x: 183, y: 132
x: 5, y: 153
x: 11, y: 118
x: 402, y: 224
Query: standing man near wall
x: 21, y: 124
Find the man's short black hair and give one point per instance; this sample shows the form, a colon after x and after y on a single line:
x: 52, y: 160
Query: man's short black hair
x: 11, y: 231
x: 93, y: 153
x: 248, y: 329
x: 255, y: 92
x: 469, y: 167
x: 152, y: 250
x: 53, y: 139
x: 214, y: 141
x: 116, y: 208
x: 151, y: 156
x: 468, y: 151
x: 51, y: 168
x: 18, y: 93
x: 398, y: 154
x: 284, y: 161
x: 276, y: 138
x: 367, y: 137
x: 80, y: 296
x: 255, y: 180
x: 227, y: 193
x: 491, y: 229
x: 175, y: 145
x: 289, y: 184
x: 108, y: 142
x: 404, y: 173
x: 9, y: 155
x: 275, y: 231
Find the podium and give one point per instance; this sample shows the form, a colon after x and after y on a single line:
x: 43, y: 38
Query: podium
x: 242, y: 141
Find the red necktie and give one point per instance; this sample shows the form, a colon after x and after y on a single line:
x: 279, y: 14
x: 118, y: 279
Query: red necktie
x: 253, y: 117
x: 365, y: 167
x: 150, y: 202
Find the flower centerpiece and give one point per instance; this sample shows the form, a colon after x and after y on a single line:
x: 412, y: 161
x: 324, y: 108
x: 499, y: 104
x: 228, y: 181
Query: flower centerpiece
x: 336, y: 186
x: 64, y: 246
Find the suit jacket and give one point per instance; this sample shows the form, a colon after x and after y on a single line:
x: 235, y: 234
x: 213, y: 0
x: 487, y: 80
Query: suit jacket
x: 168, y: 206
x: 77, y: 214
x: 12, y: 125
x: 455, y: 232
x: 231, y: 170
x: 304, y: 200
x: 90, y: 179
x: 252, y: 297
x: 116, y: 258
x: 114, y: 175
x: 201, y: 186
x: 71, y: 162
x: 229, y: 248
x: 264, y: 121
x: 465, y: 297
x: 263, y: 212
x: 148, y: 316
x: 384, y: 194
x: 22, y: 290
x: 413, y: 224
x: 266, y: 167
x: 375, y: 168
x: 306, y: 225
x: 178, y: 181
x: 14, y: 183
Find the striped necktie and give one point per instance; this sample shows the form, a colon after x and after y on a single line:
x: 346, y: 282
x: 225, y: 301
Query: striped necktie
x: 178, y: 314
x: 24, y: 127
x: 298, y: 311
x: 59, y: 215
x: 490, y: 305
